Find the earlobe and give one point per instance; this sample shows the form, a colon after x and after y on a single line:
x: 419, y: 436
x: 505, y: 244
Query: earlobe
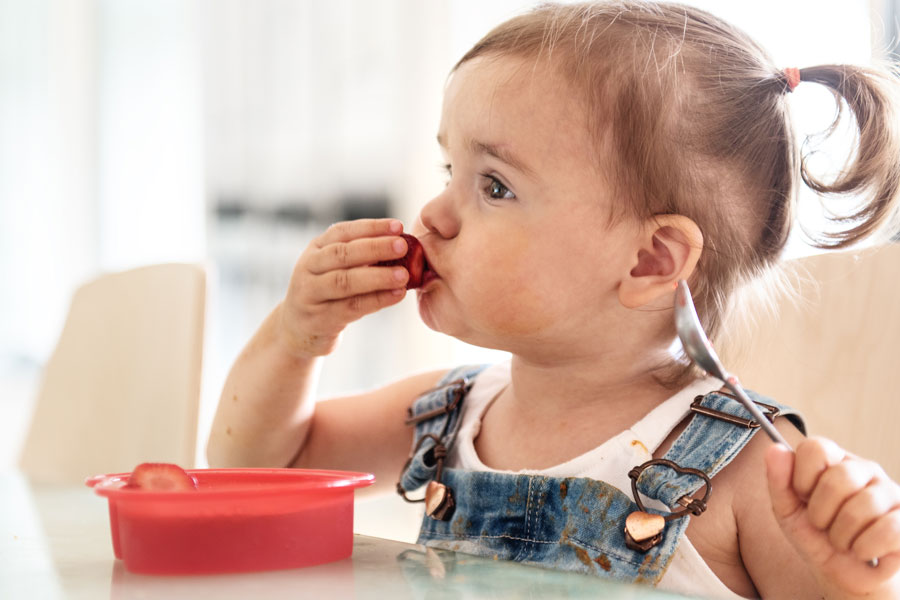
x: 668, y: 250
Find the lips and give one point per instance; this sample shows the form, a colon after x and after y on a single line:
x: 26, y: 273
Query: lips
x: 428, y: 274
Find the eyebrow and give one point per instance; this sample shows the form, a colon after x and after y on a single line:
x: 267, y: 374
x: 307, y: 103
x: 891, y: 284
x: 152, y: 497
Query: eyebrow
x: 497, y: 151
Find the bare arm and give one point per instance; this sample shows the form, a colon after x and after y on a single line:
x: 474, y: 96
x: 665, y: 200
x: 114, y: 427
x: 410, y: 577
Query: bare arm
x: 266, y: 405
x: 265, y: 413
x: 802, y: 533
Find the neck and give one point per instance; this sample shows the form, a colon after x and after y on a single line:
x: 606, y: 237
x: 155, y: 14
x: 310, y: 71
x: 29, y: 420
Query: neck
x: 624, y: 390
x: 555, y: 411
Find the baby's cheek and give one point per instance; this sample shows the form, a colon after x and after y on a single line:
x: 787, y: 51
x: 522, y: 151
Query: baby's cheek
x: 515, y: 283
x: 515, y: 306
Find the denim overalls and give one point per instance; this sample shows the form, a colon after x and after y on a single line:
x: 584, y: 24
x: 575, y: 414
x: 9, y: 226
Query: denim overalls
x: 575, y: 524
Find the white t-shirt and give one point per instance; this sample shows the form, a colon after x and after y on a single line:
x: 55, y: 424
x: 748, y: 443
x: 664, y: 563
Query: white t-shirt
x: 609, y: 462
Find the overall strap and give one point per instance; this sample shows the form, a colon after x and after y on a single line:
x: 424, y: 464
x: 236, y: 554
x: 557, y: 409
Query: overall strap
x: 436, y: 415
x: 718, y: 431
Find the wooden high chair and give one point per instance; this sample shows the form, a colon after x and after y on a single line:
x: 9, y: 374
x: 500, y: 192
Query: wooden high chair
x: 833, y: 352
x: 123, y: 384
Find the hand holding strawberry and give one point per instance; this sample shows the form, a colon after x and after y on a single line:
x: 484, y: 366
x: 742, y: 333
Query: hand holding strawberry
x: 840, y: 512
x: 353, y: 269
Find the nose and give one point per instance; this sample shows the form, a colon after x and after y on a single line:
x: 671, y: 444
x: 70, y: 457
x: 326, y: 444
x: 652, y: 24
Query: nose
x: 440, y: 216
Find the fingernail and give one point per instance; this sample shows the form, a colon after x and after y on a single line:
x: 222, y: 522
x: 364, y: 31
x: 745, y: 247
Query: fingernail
x: 399, y: 246
x: 398, y: 291
x: 396, y: 226
x: 399, y: 274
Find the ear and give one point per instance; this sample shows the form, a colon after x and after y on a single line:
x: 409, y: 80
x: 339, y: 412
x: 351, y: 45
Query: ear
x: 668, y: 250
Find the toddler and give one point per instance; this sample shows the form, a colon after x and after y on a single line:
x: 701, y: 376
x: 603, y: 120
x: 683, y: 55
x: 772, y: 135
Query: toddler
x: 596, y: 154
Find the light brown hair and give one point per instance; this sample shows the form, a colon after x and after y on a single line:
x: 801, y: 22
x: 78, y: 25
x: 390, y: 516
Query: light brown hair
x: 693, y: 115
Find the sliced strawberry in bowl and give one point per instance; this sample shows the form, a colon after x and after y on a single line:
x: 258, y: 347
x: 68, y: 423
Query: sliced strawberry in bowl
x: 414, y: 261
x: 160, y: 477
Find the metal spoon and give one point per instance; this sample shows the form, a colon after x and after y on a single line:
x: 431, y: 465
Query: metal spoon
x: 697, y: 346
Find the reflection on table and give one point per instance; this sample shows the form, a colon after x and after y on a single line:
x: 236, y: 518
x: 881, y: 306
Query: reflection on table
x: 55, y: 543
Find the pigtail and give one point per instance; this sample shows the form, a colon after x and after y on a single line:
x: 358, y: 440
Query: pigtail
x: 874, y: 169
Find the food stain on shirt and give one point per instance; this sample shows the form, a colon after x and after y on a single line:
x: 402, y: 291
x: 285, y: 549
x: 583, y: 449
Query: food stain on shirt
x: 640, y: 445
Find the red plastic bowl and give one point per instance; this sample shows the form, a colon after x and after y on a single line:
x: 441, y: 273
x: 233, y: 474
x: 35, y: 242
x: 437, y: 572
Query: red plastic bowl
x: 236, y: 520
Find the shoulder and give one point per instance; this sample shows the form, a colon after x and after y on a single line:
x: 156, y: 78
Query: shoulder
x: 745, y: 476
x: 366, y: 431
x: 394, y: 397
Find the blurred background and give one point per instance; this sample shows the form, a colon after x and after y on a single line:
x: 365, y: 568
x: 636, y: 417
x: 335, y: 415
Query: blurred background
x: 230, y: 132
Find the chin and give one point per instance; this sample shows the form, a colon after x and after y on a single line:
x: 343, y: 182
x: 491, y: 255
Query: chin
x: 437, y: 319
x: 431, y: 317
x: 426, y: 313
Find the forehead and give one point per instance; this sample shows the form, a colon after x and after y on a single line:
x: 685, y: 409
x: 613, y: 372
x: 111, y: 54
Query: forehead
x: 521, y: 104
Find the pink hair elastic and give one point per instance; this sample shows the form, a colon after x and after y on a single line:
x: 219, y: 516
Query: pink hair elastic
x: 792, y: 75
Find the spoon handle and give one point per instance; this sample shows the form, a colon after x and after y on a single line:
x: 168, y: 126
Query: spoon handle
x: 732, y: 384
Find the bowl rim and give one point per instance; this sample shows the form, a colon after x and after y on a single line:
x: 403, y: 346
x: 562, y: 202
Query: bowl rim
x: 111, y: 485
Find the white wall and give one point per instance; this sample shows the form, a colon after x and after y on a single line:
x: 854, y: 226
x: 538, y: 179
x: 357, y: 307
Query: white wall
x: 124, y: 122
x: 101, y: 164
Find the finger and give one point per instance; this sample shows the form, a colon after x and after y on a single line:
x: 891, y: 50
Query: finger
x: 358, y: 306
x: 360, y: 228
x: 346, y: 283
x: 356, y: 253
x: 779, y: 472
x: 879, y: 539
x: 861, y: 510
x: 835, y: 486
x: 814, y: 456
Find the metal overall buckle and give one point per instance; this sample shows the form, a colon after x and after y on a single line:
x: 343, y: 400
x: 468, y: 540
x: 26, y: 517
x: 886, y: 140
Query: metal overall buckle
x: 770, y: 412
x: 644, y: 530
x: 439, y: 502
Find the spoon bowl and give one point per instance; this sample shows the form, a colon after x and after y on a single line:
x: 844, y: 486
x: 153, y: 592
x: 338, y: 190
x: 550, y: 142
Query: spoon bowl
x: 700, y: 350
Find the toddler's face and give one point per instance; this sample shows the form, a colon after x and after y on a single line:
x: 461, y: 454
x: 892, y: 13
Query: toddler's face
x: 520, y: 237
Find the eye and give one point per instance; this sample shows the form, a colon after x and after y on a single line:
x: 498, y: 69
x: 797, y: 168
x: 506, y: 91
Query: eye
x: 497, y: 190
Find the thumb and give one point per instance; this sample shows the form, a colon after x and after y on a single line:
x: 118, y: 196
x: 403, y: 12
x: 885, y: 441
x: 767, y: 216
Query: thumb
x: 780, y: 472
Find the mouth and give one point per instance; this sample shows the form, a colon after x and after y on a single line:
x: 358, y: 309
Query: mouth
x: 428, y: 273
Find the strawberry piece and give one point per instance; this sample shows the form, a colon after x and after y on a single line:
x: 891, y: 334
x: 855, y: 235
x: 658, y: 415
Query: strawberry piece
x: 414, y: 261
x: 163, y: 477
